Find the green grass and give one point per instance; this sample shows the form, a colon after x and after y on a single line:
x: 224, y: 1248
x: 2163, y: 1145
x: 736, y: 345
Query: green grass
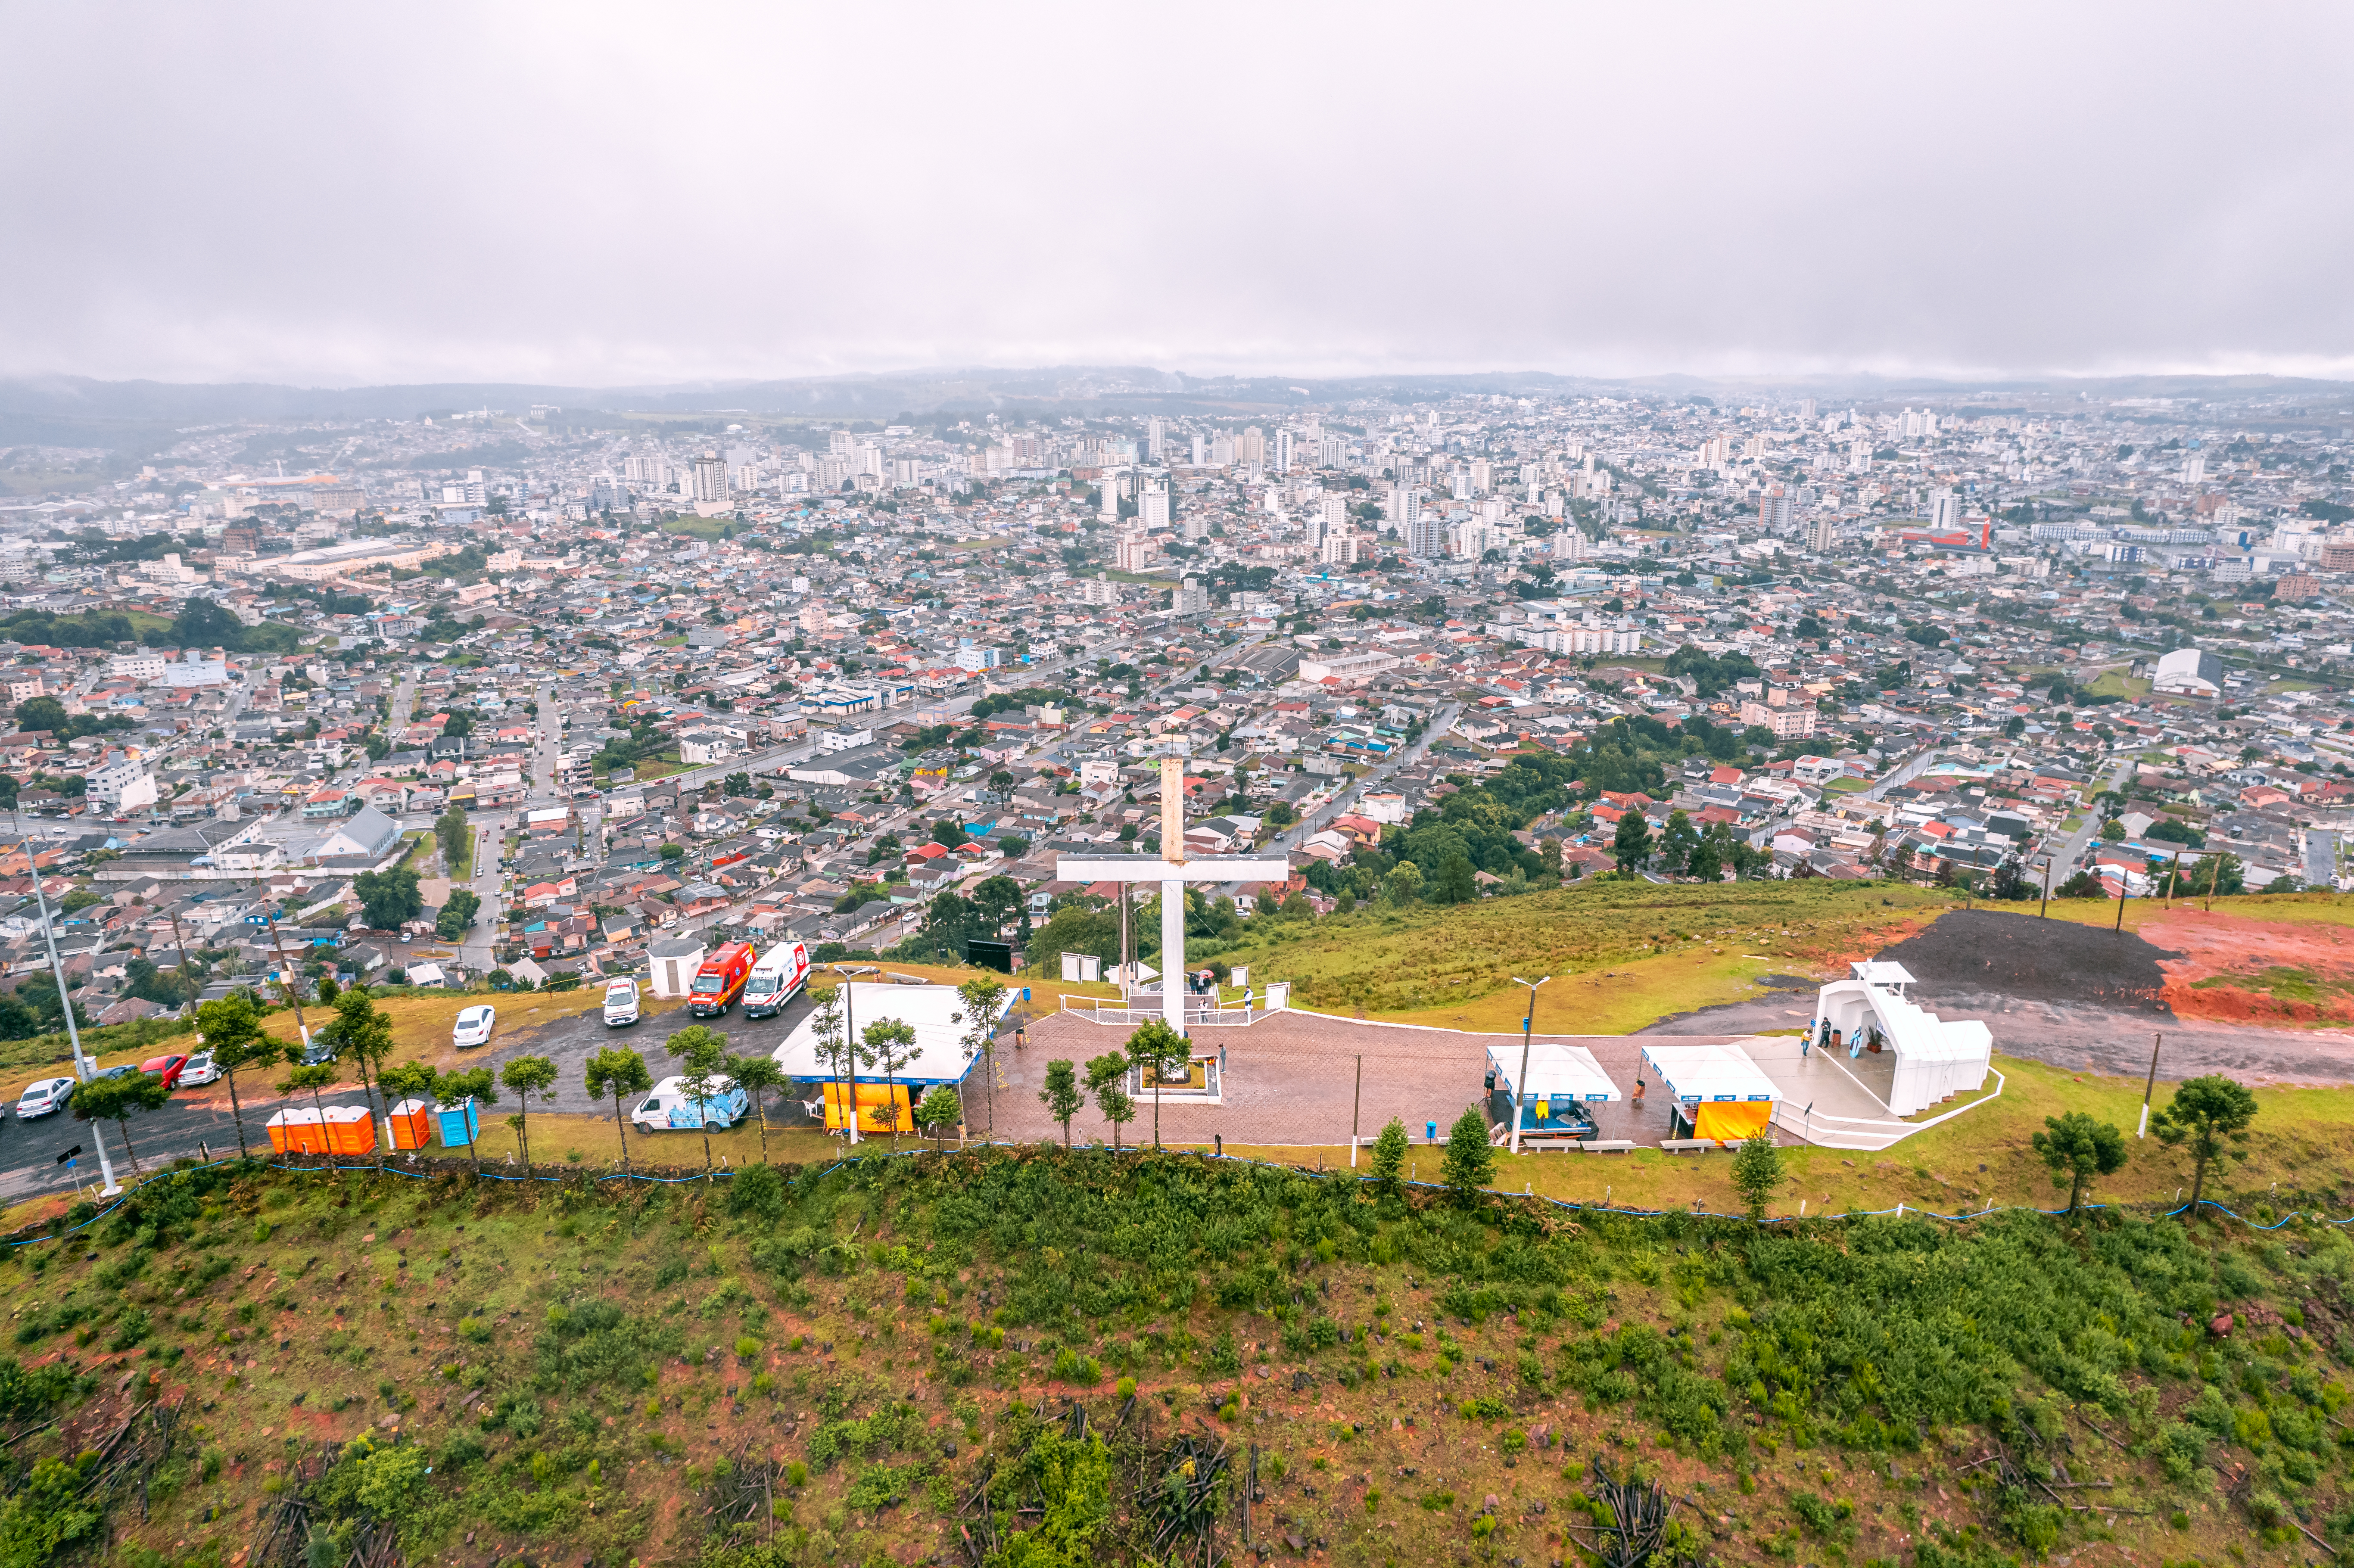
x: 1627, y: 953
x: 611, y: 1372
x: 1847, y: 786
x: 707, y: 528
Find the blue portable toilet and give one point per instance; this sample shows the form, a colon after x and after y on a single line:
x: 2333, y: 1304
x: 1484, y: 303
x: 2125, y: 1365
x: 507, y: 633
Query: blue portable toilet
x: 459, y: 1124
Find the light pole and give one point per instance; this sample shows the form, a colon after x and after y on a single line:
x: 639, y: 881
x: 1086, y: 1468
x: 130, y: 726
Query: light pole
x: 83, y: 1071
x: 1520, y: 1084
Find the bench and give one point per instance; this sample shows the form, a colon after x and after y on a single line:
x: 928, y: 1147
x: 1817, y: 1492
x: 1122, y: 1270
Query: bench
x: 1686, y: 1145
x: 1604, y: 1146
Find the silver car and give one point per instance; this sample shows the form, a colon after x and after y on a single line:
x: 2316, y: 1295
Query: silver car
x: 43, y: 1096
x: 201, y: 1069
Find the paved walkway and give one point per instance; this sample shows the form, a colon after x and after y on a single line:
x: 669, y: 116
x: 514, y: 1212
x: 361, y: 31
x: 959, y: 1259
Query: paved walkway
x: 1291, y: 1078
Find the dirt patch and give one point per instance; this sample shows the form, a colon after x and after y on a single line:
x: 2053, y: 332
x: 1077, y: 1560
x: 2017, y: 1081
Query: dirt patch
x: 2236, y: 969
x: 2040, y: 960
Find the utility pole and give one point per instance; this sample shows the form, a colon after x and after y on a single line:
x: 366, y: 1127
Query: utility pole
x: 2172, y: 868
x: 2044, y: 912
x: 2149, y: 1087
x: 1520, y: 1086
x: 2120, y: 926
x: 286, y: 982
x: 83, y: 1069
x: 1356, y: 1104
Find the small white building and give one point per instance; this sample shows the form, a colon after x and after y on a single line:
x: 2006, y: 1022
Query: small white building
x: 2187, y: 671
x: 122, y: 785
x: 1937, y: 1058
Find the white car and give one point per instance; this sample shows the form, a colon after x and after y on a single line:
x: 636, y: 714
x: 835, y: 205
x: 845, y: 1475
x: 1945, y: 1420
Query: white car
x: 201, y: 1069
x: 474, y: 1026
x: 43, y: 1096
x: 620, y: 1003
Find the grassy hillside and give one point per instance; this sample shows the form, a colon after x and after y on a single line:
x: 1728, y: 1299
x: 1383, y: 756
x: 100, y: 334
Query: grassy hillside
x: 1032, y: 1358
x: 1636, y: 951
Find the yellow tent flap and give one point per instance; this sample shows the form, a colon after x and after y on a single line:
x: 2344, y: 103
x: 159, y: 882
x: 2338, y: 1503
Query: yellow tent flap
x: 873, y: 1101
x: 1730, y: 1121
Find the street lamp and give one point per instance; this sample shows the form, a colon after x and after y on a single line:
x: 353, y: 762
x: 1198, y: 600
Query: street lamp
x: 1520, y: 1084
x: 84, y: 1069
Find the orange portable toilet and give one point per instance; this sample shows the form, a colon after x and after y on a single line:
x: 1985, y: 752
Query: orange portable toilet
x: 350, y: 1129
x: 297, y: 1131
x: 411, y: 1125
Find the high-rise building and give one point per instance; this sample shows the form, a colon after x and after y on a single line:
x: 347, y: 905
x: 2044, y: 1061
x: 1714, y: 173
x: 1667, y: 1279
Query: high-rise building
x: 1250, y: 446
x: 1483, y: 476
x: 1773, y: 509
x: 1282, y: 453
x: 1200, y: 455
x: 1134, y: 552
x: 1108, y: 498
x: 1332, y: 452
x: 710, y: 478
x: 1945, y: 510
x: 1339, y: 548
x: 1818, y: 532
x: 1858, y: 458
x: 1425, y: 531
x: 1153, y: 509
x: 1192, y: 599
x: 1330, y: 517
x: 1155, y: 428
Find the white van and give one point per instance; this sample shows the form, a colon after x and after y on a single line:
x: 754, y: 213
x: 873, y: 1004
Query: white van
x: 780, y: 975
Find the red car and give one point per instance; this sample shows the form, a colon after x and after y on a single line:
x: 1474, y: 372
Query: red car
x: 166, y: 1068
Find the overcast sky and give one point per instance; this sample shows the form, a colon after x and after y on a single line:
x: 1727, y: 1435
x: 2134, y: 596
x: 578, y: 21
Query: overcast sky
x: 574, y: 194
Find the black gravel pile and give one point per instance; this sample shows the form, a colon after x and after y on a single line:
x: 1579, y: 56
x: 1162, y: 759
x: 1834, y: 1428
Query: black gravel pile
x: 1977, y: 950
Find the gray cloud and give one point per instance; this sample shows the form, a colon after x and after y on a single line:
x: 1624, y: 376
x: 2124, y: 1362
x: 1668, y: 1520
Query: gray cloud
x: 561, y: 194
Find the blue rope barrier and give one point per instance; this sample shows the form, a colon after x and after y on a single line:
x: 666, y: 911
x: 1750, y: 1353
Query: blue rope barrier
x: 1567, y: 1204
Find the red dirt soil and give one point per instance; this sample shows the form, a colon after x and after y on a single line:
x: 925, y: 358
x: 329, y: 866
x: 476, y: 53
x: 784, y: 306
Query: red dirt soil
x: 2210, y: 944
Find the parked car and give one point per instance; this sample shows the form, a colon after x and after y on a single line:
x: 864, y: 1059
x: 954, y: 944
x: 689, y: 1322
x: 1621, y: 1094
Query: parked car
x: 172, y: 1068
x: 43, y: 1096
x: 670, y: 1106
x: 200, y: 1069
x: 621, y: 1003
x: 473, y: 1026
x: 320, y: 1049
x: 124, y: 1070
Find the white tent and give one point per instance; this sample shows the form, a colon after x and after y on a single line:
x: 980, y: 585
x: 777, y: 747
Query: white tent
x: 1560, y: 1076
x: 1725, y: 1094
x: 1936, y: 1057
x: 931, y: 1009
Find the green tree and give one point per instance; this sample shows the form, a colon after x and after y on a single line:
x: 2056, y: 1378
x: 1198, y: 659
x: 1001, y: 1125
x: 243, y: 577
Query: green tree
x: 1106, y: 1080
x: 1677, y: 840
x: 1061, y: 1096
x: 457, y: 837
x: 758, y: 1076
x: 1458, y: 883
x: 619, y: 1073
x: 114, y: 1099
x: 890, y: 1046
x: 1757, y: 1171
x: 1631, y: 846
x: 2075, y: 1147
x: 837, y: 1048
x: 703, y: 1051
x: 527, y: 1075
x: 457, y: 914
x: 2209, y: 1116
x: 738, y: 783
x: 35, y: 715
x: 231, y: 1029
x: 940, y: 1107
x: 1389, y: 1157
x: 407, y: 1081
x: 387, y: 898
x: 980, y: 1002
x: 1470, y: 1159
x: 480, y: 1085
x: 1403, y: 885
x: 360, y: 1035
x: 316, y: 1078
x: 1156, y: 1048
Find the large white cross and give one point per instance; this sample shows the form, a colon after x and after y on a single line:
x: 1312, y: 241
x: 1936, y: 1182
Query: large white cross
x: 1172, y: 871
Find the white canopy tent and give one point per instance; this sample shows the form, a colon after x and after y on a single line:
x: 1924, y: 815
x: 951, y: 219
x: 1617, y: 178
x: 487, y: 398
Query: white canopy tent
x: 1719, y: 1090
x: 937, y: 1055
x: 1561, y: 1079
